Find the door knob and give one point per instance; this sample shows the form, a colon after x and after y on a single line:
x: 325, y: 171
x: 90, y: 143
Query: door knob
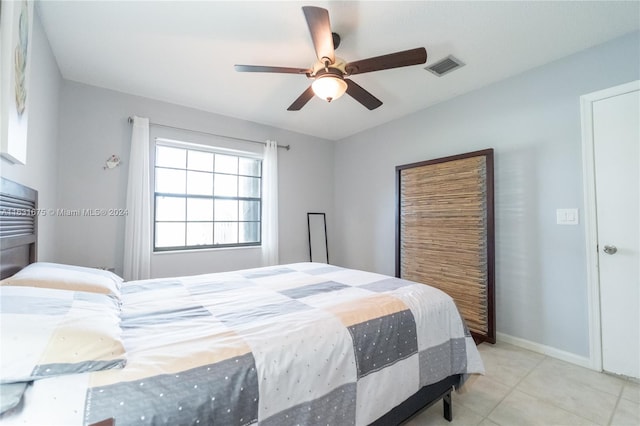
x: 610, y: 249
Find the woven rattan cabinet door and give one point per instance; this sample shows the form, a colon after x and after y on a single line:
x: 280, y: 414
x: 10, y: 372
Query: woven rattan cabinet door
x: 445, y: 232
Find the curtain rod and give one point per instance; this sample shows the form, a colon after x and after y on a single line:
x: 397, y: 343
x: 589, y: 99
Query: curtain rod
x: 287, y: 147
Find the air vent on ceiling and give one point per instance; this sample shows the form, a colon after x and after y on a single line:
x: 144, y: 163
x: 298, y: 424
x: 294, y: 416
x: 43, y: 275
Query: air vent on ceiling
x: 445, y: 66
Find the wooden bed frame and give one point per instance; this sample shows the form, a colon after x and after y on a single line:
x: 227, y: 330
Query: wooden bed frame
x: 18, y: 248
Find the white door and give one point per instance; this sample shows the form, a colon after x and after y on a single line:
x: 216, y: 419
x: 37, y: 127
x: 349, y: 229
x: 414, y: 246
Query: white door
x: 616, y: 148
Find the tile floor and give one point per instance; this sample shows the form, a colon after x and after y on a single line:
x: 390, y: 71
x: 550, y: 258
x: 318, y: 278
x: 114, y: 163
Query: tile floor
x: 525, y: 388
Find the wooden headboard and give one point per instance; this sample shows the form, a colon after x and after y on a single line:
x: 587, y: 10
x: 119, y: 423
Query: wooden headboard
x: 18, y: 226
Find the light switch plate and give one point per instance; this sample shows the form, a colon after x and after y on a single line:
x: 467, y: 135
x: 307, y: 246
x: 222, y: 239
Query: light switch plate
x: 567, y: 217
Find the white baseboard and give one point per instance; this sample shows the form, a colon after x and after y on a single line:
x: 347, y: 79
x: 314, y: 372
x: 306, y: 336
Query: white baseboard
x: 546, y: 350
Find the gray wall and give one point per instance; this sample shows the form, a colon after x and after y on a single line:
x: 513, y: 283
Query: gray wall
x: 533, y: 123
x: 42, y: 136
x: 93, y: 126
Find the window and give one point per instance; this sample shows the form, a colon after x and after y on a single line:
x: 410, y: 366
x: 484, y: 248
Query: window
x: 205, y: 199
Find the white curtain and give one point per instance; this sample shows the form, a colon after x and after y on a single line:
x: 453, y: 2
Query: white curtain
x: 137, y: 233
x: 270, y: 204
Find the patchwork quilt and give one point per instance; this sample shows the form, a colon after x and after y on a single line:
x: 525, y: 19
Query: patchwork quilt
x: 301, y: 344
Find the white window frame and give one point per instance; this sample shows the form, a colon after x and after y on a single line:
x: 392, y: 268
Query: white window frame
x: 215, y: 150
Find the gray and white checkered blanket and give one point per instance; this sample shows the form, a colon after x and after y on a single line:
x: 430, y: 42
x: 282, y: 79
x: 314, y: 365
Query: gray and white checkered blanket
x: 301, y: 344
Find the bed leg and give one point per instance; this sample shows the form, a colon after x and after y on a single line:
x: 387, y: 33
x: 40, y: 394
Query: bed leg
x: 446, y: 402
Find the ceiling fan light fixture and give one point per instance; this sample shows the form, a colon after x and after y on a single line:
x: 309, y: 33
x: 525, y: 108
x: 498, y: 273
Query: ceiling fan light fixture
x: 329, y: 87
x: 329, y: 71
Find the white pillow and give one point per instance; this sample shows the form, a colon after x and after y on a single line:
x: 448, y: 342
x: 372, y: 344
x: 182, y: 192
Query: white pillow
x: 66, y: 277
x: 50, y: 332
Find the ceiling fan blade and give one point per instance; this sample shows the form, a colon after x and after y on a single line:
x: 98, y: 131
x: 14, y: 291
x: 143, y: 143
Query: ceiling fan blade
x: 361, y: 95
x: 261, y: 68
x: 385, y: 62
x: 302, y: 100
x: 320, y: 29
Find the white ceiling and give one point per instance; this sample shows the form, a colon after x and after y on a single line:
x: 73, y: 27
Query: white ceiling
x: 184, y: 52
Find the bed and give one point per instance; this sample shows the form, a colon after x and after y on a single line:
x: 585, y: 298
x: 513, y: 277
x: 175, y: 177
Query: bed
x: 304, y: 343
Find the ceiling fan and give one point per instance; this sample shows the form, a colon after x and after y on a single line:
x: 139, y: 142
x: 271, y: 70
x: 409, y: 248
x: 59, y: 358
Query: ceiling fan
x: 329, y: 72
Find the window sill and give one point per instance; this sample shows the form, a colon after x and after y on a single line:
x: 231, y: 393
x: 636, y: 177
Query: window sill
x: 205, y: 250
